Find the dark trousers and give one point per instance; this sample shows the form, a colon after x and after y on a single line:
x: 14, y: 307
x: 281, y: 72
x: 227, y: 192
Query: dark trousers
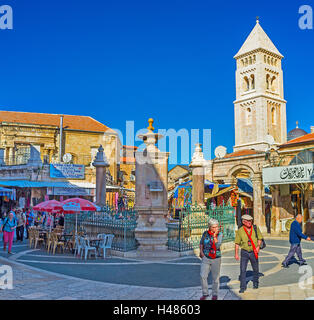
x: 245, y: 258
x: 20, y: 233
x: 268, y: 221
x: 27, y: 233
x: 294, y: 249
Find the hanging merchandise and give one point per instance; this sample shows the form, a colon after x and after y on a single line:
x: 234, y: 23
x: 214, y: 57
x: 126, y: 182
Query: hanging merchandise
x: 187, y: 196
x: 220, y: 201
x: 234, y: 198
x: 180, y: 202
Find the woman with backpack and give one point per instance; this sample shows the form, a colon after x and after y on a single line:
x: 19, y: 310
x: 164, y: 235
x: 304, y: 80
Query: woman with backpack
x: 8, y: 227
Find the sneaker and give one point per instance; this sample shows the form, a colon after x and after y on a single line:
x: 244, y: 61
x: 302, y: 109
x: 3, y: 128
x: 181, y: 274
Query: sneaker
x: 303, y: 263
x: 285, y: 266
x: 10, y: 252
x: 241, y: 290
x: 204, y: 297
x: 255, y: 286
x: 214, y: 298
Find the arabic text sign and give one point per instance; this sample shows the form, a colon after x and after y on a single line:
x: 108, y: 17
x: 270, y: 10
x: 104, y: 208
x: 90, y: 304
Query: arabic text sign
x: 68, y: 171
x: 301, y: 173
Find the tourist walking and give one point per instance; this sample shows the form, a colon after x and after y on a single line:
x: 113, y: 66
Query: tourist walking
x: 295, y: 237
x: 21, y: 220
x: 249, y: 239
x: 8, y: 228
x: 211, y: 258
x: 29, y: 221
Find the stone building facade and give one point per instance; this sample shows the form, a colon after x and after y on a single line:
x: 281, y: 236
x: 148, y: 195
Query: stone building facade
x: 25, y: 135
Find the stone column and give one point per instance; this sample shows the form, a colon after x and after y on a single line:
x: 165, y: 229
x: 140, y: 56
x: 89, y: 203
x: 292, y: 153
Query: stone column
x: 259, y: 217
x: 100, y: 163
x: 2, y: 162
x: 198, y: 176
x: 151, y: 200
x: 275, y: 212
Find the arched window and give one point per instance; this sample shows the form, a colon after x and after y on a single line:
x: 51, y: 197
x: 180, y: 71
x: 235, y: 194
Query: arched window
x: 273, y: 115
x: 267, y: 81
x: 273, y: 83
x: 268, y: 60
x: 265, y: 58
x: 246, y: 61
x: 252, y: 82
x: 250, y: 59
x: 248, y: 116
x: 246, y: 84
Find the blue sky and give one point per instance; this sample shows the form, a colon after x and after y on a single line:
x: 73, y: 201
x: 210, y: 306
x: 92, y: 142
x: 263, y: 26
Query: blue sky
x: 118, y: 60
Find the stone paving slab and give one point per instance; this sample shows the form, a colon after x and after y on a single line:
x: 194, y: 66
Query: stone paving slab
x: 34, y: 283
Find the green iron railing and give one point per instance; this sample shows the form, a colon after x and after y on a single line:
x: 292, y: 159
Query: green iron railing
x: 185, y: 233
x: 121, y: 224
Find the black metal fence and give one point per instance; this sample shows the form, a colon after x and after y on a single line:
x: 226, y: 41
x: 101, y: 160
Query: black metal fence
x: 121, y: 224
x: 185, y: 233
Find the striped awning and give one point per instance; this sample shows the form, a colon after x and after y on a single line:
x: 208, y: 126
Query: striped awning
x: 36, y: 184
x: 5, y: 192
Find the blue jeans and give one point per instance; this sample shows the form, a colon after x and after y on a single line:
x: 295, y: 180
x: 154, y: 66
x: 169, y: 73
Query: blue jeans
x: 294, y: 249
x: 245, y: 258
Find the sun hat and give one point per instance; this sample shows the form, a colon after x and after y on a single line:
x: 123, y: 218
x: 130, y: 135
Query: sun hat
x: 246, y: 217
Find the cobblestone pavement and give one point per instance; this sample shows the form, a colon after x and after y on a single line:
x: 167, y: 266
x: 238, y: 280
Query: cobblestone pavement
x: 40, y: 276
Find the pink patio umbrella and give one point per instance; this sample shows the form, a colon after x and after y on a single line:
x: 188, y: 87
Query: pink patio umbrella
x: 49, y: 206
x: 75, y: 205
x: 52, y: 206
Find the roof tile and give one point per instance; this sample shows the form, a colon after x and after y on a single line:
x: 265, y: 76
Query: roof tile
x: 73, y: 122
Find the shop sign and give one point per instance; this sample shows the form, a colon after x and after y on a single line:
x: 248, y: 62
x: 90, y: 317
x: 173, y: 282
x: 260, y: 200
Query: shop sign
x: 311, y: 209
x: 67, y: 171
x: 302, y: 173
x: 70, y: 191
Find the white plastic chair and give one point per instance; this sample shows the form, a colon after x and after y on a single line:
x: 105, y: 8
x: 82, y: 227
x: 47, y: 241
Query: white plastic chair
x: 78, y: 245
x: 106, y: 243
x: 86, y: 248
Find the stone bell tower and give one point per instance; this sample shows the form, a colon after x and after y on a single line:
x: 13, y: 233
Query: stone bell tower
x: 260, y: 107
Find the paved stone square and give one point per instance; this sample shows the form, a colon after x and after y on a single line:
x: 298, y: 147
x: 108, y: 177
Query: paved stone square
x: 41, y: 276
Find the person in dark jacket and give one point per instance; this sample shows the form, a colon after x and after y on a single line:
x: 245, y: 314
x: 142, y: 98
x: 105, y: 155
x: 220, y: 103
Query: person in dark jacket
x: 295, y: 237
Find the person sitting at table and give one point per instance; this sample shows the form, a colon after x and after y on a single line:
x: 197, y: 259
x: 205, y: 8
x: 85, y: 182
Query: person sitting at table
x: 61, y: 220
x: 49, y: 221
x: 39, y: 220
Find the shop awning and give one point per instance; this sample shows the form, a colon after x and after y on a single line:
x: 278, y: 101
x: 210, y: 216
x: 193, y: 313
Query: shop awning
x: 5, y: 192
x: 36, y: 184
x: 208, y: 196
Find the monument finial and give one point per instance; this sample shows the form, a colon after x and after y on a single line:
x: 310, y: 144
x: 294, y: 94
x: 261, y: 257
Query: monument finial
x: 297, y: 124
x: 150, y: 127
x: 257, y: 19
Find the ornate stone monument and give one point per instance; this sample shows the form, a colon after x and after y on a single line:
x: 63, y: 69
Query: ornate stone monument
x: 198, y: 176
x: 100, y: 163
x: 151, y: 200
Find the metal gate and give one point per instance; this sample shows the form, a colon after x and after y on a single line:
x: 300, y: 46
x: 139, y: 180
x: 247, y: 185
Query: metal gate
x: 185, y: 233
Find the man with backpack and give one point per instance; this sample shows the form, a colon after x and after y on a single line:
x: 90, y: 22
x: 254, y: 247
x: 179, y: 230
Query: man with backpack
x: 250, y: 239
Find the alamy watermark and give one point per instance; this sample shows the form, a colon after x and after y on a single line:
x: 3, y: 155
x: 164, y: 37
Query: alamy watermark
x: 306, y: 280
x: 6, y: 277
x: 306, y: 19
x: 179, y: 143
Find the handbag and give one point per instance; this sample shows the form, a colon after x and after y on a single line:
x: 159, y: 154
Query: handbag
x: 263, y: 244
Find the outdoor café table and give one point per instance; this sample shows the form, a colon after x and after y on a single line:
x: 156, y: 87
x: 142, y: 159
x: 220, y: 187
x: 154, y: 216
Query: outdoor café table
x: 66, y: 238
